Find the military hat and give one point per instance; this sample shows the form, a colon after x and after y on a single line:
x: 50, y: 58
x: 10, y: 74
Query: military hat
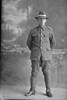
x: 42, y: 15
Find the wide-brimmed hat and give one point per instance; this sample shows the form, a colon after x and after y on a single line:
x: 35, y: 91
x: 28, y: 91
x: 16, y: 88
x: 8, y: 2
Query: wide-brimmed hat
x: 42, y: 15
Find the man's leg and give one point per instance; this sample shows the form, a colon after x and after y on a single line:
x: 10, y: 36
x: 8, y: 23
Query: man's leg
x: 45, y: 66
x: 34, y: 73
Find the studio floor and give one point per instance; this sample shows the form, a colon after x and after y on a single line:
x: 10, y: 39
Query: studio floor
x: 18, y: 91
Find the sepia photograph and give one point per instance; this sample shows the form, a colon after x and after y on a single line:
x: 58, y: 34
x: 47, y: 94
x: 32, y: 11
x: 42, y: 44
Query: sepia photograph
x: 33, y: 62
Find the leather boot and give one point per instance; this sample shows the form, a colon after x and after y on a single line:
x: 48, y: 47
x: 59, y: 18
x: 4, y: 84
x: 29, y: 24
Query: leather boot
x: 48, y: 93
x: 31, y: 92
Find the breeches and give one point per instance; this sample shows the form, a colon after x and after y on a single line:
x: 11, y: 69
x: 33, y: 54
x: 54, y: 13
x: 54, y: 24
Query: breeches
x: 35, y: 69
x: 36, y: 66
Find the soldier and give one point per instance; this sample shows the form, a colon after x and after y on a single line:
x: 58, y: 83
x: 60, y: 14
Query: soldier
x: 40, y: 41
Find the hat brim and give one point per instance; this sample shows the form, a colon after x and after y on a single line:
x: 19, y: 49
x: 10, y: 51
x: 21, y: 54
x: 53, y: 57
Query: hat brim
x: 41, y: 17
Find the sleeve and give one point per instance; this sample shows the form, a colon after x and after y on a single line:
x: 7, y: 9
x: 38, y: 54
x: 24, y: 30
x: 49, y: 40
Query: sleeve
x: 29, y: 40
x: 52, y: 38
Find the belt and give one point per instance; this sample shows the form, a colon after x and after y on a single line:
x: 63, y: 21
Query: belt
x: 36, y: 44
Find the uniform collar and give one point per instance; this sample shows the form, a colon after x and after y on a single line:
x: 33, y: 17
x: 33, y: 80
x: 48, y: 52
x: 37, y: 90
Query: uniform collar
x: 42, y: 27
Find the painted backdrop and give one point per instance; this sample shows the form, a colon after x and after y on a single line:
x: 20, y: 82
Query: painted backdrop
x: 17, y: 20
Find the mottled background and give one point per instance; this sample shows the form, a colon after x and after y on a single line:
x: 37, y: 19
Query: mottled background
x: 17, y: 20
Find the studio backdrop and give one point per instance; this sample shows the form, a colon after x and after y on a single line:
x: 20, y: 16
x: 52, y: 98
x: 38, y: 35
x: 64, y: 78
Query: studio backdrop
x: 17, y: 20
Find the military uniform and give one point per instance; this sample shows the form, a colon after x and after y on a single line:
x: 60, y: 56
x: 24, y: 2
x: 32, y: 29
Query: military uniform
x: 40, y: 41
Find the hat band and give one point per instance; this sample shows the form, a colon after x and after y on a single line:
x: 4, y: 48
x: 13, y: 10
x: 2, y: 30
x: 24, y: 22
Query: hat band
x: 41, y: 15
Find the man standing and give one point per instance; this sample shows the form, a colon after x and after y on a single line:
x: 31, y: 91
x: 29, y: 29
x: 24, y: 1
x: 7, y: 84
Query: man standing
x: 40, y: 41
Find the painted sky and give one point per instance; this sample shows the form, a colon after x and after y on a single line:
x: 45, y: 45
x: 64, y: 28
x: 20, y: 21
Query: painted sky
x: 18, y: 17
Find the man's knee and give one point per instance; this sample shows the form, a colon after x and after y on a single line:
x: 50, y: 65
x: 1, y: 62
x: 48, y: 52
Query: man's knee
x: 34, y: 73
x: 45, y: 67
x: 35, y: 68
x: 45, y: 70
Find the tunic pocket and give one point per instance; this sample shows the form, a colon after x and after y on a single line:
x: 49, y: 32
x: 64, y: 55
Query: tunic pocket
x: 34, y: 37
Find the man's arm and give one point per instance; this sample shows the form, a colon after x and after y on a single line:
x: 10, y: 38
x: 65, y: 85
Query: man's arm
x: 29, y: 39
x: 52, y: 38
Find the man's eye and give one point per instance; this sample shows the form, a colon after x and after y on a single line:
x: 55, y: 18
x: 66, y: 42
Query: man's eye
x: 44, y: 35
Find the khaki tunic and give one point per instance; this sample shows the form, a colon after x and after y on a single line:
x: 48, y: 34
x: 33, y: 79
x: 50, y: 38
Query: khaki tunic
x: 40, y: 41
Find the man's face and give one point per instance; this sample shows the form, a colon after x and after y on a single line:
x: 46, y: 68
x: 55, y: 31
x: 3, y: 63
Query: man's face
x: 41, y: 21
